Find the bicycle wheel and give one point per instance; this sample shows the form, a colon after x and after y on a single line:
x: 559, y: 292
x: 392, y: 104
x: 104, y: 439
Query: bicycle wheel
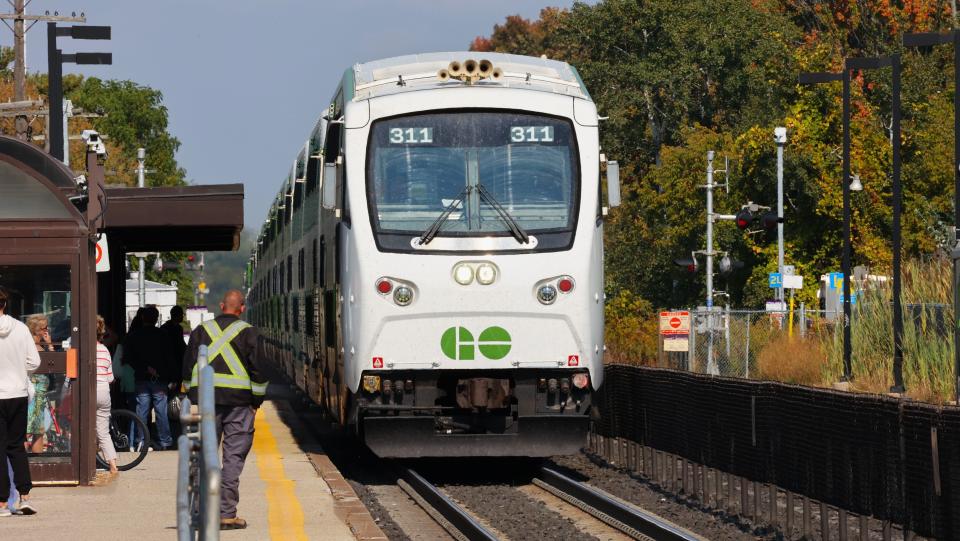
x: 130, y: 439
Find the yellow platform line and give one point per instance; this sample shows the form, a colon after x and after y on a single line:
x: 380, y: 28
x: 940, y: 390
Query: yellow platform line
x: 284, y: 514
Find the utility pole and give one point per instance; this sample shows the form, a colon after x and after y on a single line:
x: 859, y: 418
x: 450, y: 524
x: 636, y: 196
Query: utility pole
x: 141, y: 274
x: 780, y: 137
x: 709, y: 253
x: 20, y: 29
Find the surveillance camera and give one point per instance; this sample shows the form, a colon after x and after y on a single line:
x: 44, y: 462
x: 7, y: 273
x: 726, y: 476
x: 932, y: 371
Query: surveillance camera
x: 780, y: 135
x: 94, y: 142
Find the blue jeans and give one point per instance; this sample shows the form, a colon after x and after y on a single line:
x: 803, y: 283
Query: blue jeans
x: 155, y: 392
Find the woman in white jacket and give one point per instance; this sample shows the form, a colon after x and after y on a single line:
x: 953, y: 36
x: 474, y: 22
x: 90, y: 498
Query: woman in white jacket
x: 18, y: 359
x: 104, y: 379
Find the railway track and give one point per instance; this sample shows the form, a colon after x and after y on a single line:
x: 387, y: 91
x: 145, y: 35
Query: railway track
x: 463, y: 525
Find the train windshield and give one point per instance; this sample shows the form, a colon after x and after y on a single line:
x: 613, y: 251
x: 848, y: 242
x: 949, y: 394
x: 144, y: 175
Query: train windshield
x: 458, y: 167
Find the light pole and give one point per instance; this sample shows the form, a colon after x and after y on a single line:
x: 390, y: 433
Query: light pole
x: 893, y: 62
x: 928, y: 39
x: 821, y: 77
x: 55, y: 61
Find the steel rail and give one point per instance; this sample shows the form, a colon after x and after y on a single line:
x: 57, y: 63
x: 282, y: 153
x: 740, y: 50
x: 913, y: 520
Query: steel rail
x: 451, y: 514
x: 631, y: 520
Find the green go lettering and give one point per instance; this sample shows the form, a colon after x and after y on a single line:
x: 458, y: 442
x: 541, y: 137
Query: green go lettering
x: 458, y: 343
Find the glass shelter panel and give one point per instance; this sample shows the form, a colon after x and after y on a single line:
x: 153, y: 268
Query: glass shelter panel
x: 24, y: 197
x: 40, y: 297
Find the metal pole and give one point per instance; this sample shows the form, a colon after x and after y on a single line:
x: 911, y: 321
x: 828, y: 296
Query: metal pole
x: 709, y: 256
x: 847, y: 248
x: 956, y: 217
x: 780, y: 144
x: 746, y: 355
x: 142, y: 268
x: 210, y: 482
x: 898, y: 386
x: 184, y: 530
x: 67, y: 113
x: 54, y: 93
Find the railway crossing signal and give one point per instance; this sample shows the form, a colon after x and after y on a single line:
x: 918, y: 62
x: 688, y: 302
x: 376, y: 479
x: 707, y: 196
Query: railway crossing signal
x: 689, y: 263
x: 749, y: 214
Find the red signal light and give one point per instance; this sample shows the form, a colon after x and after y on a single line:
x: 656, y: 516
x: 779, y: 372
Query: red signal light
x: 191, y: 258
x: 384, y: 286
x: 744, y: 218
x: 565, y: 285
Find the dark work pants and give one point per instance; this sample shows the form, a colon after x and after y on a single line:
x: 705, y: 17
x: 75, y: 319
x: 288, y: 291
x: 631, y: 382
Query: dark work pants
x: 13, y: 433
x: 235, y: 431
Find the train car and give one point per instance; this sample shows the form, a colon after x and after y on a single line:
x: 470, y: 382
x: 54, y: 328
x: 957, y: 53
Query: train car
x: 431, y: 271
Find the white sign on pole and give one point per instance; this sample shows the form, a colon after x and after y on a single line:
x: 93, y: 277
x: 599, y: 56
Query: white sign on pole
x: 676, y: 343
x: 793, y: 282
x: 103, y: 254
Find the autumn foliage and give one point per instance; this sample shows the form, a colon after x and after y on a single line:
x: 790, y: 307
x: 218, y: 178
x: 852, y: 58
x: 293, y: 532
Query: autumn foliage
x: 679, y: 77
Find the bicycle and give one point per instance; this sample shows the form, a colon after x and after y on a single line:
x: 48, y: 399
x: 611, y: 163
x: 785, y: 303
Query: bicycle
x: 130, y: 438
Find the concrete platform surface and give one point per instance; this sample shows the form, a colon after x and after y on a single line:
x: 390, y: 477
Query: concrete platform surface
x: 282, y: 496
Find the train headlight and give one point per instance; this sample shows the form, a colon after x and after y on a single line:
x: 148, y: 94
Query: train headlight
x: 486, y: 274
x: 403, y: 295
x: 463, y: 274
x: 547, y: 294
x: 581, y: 380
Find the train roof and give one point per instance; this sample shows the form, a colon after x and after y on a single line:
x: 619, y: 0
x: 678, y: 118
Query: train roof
x: 419, y: 72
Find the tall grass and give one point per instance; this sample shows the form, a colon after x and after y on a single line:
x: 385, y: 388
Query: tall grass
x: 927, y: 338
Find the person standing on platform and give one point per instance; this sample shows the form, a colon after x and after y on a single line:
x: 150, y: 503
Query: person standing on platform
x: 104, y: 379
x: 18, y: 359
x: 147, y: 350
x: 173, y: 328
x: 236, y: 353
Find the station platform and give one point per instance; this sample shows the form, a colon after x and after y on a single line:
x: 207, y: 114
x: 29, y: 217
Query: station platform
x: 289, y: 490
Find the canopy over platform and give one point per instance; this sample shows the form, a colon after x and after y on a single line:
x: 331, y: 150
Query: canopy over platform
x: 177, y: 218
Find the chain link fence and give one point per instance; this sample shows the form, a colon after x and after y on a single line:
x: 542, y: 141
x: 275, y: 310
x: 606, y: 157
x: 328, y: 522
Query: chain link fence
x: 806, y: 347
x: 734, y: 343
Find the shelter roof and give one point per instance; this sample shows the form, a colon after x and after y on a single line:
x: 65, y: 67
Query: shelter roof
x: 176, y: 218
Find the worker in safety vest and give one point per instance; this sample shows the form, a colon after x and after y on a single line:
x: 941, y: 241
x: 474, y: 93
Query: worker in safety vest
x: 236, y: 352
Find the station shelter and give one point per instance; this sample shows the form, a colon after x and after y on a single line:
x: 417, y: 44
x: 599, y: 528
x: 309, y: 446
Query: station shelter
x: 51, y: 219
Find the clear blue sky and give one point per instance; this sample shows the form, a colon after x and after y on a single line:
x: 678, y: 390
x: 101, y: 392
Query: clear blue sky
x: 245, y: 80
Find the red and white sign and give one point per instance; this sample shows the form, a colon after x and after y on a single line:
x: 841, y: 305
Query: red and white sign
x: 102, y: 254
x: 573, y: 360
x: 378, y: 362
x: 675, y: 322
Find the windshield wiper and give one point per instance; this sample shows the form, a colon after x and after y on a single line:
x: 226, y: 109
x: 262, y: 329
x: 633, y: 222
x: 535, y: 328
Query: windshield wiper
x: 515, y: 229
x: 434, y: 228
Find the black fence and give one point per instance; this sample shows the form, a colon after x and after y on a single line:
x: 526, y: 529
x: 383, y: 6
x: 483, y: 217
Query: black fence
x: 895, y: 460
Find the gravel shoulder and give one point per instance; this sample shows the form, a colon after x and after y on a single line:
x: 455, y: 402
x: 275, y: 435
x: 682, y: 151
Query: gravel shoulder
x: 709, y: 523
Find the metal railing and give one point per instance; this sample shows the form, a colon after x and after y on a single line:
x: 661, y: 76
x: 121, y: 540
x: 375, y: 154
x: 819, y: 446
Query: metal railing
x: 198, y: 478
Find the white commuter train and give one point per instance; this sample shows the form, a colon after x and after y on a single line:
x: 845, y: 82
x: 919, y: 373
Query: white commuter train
x: 432, y: 268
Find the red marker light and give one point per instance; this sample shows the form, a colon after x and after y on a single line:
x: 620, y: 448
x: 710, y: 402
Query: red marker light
x: 573, y: 360
x: 378, y: 362
x: 384, y: 286
x: 565, y: 285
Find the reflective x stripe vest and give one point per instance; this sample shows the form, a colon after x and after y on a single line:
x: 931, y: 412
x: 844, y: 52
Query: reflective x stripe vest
x: 220, y: 346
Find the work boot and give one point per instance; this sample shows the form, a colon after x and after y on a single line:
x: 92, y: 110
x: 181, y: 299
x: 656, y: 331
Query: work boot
x: 235, y: 523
